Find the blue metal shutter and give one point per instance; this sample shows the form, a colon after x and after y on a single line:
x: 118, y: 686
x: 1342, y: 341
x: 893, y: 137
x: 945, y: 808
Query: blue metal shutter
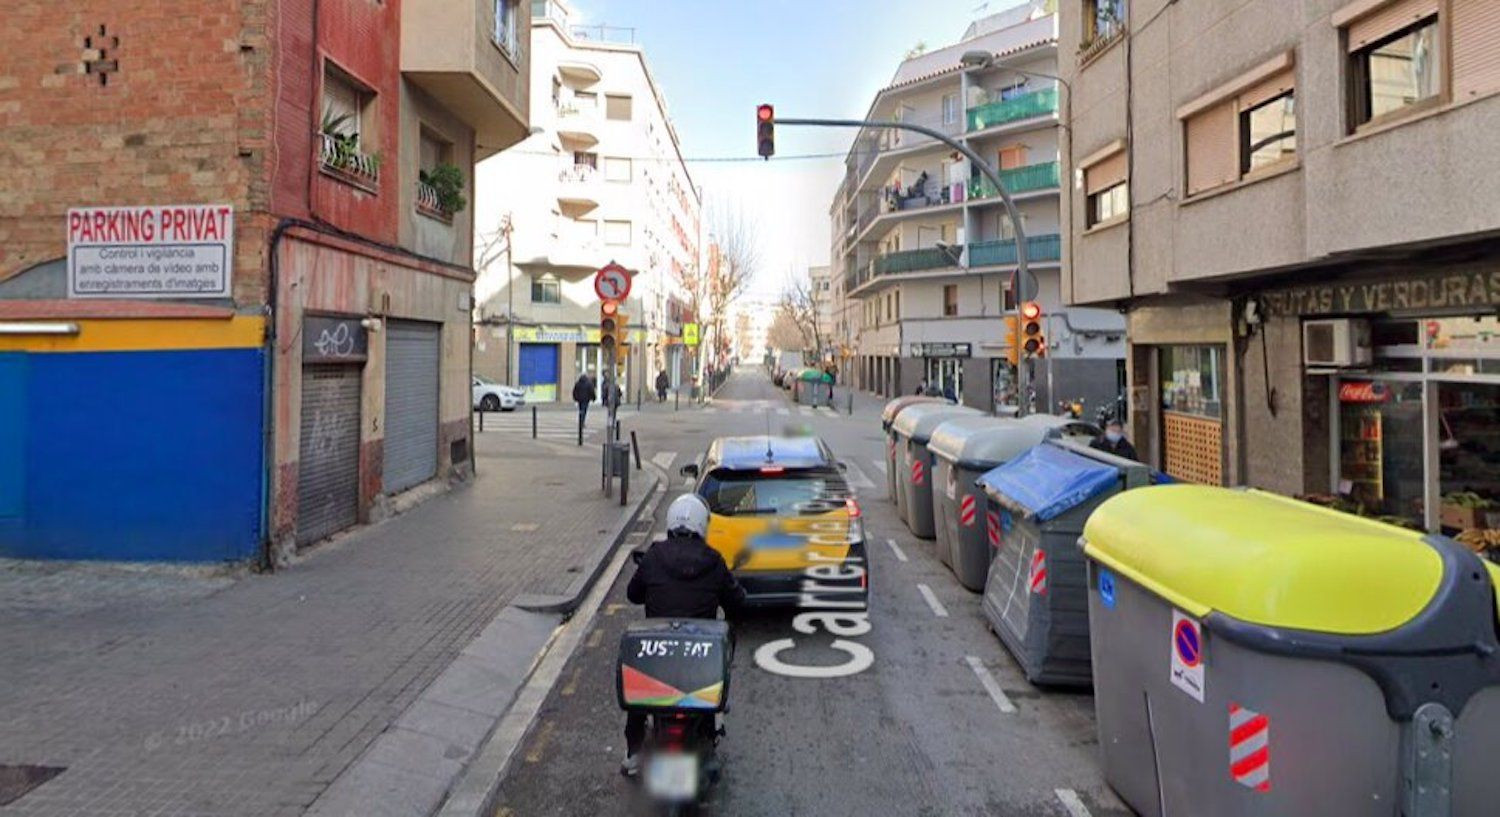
x: 12, y: 433
x: 539, y: 370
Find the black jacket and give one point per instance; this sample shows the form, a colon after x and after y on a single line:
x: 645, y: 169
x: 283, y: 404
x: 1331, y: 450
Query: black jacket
x: 1123, y: 448
x: 583, y: 390
x: 682, y: 577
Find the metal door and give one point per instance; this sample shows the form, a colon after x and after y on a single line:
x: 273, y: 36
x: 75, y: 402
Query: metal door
x: 539, y: 371
x: 328, y: 462
x: 411, y: 404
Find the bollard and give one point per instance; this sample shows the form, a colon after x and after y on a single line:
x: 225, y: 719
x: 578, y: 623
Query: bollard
x: 637, y: 400
x: 851, y: 402
x: 617, y: 431
x: 481, y: 420
x: 676, y: 399
x: 624, y: 486
x: 636, y: 447
x: 533, y: 422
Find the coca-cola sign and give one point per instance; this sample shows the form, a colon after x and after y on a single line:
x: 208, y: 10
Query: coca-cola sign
x: 1363, y: 391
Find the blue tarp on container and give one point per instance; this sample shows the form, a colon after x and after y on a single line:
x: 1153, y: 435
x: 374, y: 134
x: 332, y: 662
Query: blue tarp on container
x: 1046, y: 481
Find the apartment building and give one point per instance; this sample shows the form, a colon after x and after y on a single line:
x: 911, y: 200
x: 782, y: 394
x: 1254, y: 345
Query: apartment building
x: 1288, y: 200
x: 600, y: 179
x: 921, y: 241
x: 242, y: 232
x: 821, y: 286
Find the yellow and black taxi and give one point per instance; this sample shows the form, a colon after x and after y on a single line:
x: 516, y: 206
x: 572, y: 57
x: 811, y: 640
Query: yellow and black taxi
x: 784, y: 519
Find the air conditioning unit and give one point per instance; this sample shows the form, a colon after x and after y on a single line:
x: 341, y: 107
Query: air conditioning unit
x: 1336, y: 343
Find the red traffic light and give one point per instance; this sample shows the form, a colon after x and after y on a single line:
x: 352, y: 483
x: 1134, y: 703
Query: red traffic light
x: 609, y: 307
x: 1031, y: 310
x: 765, y: 113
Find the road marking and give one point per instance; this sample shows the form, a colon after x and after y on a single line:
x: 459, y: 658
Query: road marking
x: 880, y: 464
x: 710, y: 410
x: 663, y: 459
x: 857, y: 476
x: 1072, y: 803
x: 900, y: 554
x: 687, y: 482
x: 932, y: 601
x: 783, y: 411
x: 539, y: 746
x: 990, y: 685
x: 595, y: 639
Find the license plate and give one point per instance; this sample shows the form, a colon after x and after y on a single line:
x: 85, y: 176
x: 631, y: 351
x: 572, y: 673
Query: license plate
x: 673, y: 777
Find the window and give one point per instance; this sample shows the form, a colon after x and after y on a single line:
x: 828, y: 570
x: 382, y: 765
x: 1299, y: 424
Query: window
x: 583, y: 158
x: 617, y: 233
x: 585, y: 101
x: 1190, y: 380
x: 950, y: 109
x: 1106, y: 189
x: 507, y: 35
x: 617, y: 168
x: 1393, y: 69
x: 617, y: 107
x: 1007, y: 299
x: 546, y: 290
x: 1102, y: 20
x: 346, y: 130
x: 1012, y: 156
x: 556, y: 93
x: 950, y: 300
x: 1013, y: 91
x: 1242, y: 127
x: 1268, y: 133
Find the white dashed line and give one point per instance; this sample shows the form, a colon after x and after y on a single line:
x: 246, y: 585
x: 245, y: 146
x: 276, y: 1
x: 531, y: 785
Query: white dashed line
x: 663, y: 459
x: 1072, y: 803
x: 932, y: 601
x: 896, y: 549
x: 992, y: 687
x: 710, y: 410
x: 783, y: 411
x: 880, y: 464
x: 857, y: 478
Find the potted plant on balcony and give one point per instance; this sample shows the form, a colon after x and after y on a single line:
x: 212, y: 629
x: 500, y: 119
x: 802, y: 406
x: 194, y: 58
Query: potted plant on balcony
x: 447, y: 182
x: 340, y: 146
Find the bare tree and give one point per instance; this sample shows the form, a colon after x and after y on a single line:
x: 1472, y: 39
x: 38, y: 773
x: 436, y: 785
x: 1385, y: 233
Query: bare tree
x: 799, y: 305
x: 739, y: 259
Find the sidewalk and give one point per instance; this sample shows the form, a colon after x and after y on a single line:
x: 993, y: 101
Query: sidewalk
x: 169, y: 692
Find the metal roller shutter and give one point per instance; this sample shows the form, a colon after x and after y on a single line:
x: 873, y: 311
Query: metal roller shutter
x: 412, y: 359
x: 328, y: 462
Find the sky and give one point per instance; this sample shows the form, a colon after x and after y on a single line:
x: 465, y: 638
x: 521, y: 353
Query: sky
x: 715, y: 61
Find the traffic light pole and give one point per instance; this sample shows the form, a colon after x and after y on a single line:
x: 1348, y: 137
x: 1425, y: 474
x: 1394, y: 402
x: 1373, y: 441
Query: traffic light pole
x: 1022, y: 275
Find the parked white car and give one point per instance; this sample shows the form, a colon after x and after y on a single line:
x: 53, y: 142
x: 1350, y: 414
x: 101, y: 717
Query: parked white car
x: 492, y: 396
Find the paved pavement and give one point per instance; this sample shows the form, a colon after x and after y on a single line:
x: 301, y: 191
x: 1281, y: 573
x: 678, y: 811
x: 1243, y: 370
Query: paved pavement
x: 174, y: 692
x: 942, y: 723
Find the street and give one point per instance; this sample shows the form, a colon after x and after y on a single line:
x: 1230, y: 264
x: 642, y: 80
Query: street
x: 941, y: 723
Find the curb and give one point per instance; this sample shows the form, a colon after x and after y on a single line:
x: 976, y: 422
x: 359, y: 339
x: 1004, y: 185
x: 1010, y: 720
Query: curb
x: 569, y: 600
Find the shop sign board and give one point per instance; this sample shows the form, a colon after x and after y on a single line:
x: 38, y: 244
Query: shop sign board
x: 1458, y: 289
x: 941, y: 350
x: 327, y: 339
x: 162, y: 251
x: 1363, y: 391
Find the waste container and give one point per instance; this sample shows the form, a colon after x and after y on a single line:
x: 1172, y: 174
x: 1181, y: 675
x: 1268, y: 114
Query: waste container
x: 963, y: 449
x: 1258, y: 655
x: 811, y: 391
x: 912, y: 428
x: 1035, y: 596
x: 888, y: 416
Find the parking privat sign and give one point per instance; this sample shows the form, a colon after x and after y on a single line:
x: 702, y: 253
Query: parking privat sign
x: 162, y: 251
x: 612, y: 283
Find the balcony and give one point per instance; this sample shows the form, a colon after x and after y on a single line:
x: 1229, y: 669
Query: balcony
x: 453, y: 50
x: 578, y: 189
x: 430, y: 203
x: 1002, y: 252
x: 873, y: 146
x: 578, y: 126
x: 340, y: 157
x: 1015, y: 109
x: 912, y: 261
x: 1017, y: 180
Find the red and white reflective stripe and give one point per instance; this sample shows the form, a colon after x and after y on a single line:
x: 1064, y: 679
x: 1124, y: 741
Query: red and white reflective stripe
x: 917, y: 471
x: 1249, y: 748
x: 992, y: 525
x: 1039, y: 573
x: 966, y: 510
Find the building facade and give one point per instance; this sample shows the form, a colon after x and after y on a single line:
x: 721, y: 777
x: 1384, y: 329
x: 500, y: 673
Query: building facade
x: 244, y: 232
x: 601, y: 179
x: 821, y: 283
x: 924, y: 250
x: 1285, y: 200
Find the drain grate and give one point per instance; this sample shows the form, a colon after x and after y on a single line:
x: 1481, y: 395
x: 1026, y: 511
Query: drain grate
x: 18, y: 781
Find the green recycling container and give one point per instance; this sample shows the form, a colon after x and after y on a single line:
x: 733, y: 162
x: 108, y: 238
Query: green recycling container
x: 1256, y: 655
x: 913, y: 427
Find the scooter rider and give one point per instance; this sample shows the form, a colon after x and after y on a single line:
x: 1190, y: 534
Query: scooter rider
x: 679, y: 577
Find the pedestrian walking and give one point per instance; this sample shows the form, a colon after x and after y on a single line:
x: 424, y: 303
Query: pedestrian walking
x: 948, y: 393
x: 661, y: 386
x: 583, y: 394
x: 1113, y: 441
x: 921, y: 389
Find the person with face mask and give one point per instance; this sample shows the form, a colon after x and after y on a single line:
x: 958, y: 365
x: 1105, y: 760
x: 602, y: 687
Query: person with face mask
x: 1113, y: 441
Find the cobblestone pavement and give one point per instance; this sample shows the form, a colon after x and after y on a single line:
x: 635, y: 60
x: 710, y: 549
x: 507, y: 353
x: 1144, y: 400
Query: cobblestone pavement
x: 176, y: 693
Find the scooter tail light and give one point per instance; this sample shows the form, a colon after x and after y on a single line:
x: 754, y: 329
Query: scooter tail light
x: 853, y: 507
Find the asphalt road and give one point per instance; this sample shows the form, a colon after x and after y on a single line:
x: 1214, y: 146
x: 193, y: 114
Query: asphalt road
x: 920, y: 732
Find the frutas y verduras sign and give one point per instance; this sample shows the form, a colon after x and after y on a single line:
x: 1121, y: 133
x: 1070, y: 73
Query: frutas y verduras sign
x: 1462, y: 288
x: 165, y: 251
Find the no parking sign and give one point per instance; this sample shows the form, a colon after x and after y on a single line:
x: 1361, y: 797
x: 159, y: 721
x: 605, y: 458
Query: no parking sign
x: 1187, y: 655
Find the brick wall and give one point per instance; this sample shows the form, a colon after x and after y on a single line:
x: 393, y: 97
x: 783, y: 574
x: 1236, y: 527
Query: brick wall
x: 147, y: 102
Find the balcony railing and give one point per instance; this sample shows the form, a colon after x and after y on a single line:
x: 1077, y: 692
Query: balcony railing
x: 1046, y: 247
x: 912, y: 261
x: 1025, y: 106
x: 429, y: 203
x: 340, y: 156
x: 578, y: 174
x: 1017, y: 180
x: 620, y: 35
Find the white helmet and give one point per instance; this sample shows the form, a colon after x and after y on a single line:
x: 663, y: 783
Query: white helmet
x: 688, y: 513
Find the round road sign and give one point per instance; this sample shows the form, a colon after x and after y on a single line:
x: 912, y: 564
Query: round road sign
x: 612, y: 282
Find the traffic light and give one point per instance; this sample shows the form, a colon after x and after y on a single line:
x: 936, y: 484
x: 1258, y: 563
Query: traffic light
x: 765, y: 130
x: 1012, y: 340
x: 611, y: 326
x: 1033, y: 341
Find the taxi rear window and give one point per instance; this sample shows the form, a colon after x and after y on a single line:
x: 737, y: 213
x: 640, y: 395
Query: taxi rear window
x: 785, y: 493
